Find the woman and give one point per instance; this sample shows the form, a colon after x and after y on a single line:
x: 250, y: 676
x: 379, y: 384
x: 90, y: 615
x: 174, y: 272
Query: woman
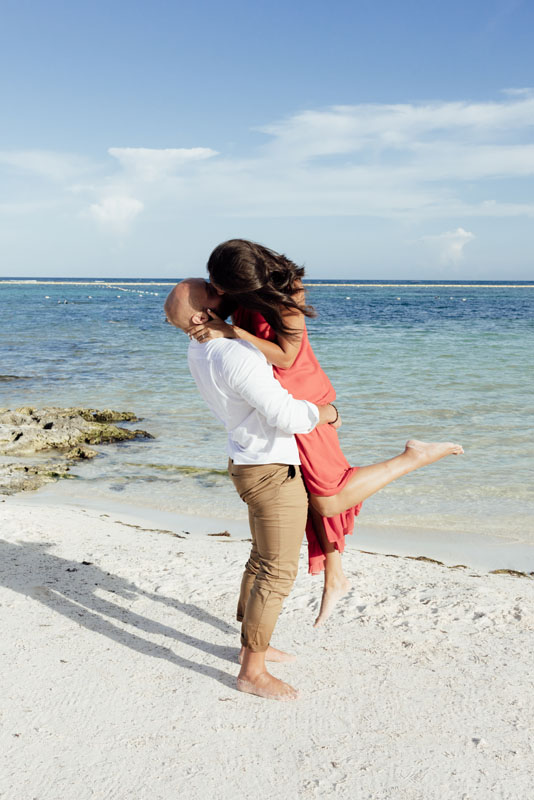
x: 266, y: 289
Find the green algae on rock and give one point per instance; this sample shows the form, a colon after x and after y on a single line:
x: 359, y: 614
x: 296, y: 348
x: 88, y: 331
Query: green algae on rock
x: 66, y: 431
x: 26, y: 478
x: 515, y: 572
x: 29, y: 430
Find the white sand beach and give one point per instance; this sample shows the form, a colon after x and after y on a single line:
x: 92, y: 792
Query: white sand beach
x: 118, y: 673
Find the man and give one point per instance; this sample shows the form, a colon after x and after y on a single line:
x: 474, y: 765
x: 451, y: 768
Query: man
x: 261, y: 417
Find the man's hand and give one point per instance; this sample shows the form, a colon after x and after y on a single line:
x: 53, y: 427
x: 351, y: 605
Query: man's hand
x: 216, y: 328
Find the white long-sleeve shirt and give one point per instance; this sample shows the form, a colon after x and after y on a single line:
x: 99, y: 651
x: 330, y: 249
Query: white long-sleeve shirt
x: 238, y: 385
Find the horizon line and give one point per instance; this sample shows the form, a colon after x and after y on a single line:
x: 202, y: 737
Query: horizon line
x: 331, y: 282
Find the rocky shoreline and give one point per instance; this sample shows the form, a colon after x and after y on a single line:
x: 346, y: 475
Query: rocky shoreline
x: 66, y: 434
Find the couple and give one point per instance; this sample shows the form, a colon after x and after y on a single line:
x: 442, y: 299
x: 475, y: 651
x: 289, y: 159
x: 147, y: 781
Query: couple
x: 260, y: 378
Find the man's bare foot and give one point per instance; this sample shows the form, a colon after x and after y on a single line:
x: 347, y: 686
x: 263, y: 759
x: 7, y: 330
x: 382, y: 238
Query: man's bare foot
x: 331, y: 594
x: 428, y: 452
x: 272, y: 654
x: 266, y: 685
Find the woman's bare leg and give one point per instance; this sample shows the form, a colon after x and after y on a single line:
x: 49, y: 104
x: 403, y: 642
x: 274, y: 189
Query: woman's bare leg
x: 368, y: 480
x: 335, y: 581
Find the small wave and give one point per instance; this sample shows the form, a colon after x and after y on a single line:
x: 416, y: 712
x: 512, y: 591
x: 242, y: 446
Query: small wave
x: 180, y: 468
x: 5, y: 378
x: 415, y: 285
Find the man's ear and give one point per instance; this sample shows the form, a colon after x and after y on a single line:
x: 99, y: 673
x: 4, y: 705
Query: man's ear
x: 199, y: 317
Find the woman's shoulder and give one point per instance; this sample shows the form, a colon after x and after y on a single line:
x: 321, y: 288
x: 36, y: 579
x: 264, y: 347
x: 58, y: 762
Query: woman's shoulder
x: 253, y: 322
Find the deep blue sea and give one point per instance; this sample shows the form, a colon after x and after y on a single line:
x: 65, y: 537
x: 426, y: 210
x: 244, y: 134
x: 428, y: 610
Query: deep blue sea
x: 435, y: 361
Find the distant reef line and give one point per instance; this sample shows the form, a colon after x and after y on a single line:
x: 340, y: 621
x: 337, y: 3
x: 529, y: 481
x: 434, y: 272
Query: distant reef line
x: 115, y: 285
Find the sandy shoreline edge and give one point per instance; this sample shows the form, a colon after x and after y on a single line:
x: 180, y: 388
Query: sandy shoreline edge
x: 483, y: 554
x: 62, y: 434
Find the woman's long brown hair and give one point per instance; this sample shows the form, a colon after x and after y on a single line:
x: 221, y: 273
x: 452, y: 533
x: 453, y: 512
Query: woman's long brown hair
x: 258, y: 278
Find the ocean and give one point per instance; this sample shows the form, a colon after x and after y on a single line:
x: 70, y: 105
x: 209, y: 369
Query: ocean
x: 434, y: 361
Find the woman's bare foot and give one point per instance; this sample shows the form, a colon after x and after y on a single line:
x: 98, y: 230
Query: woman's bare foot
x: 272, y: 654
x: 266, y: 685
x: 428, y: 452
x: 332, y: 592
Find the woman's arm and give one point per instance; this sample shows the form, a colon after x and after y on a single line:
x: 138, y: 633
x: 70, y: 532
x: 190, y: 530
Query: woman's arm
x: 281, y: 353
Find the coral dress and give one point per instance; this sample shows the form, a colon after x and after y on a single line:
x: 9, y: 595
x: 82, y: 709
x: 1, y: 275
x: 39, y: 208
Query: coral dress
x: 324, y: 467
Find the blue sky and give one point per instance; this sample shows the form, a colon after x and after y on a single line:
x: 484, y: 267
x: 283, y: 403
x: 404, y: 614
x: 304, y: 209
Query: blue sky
x: 363, y: 139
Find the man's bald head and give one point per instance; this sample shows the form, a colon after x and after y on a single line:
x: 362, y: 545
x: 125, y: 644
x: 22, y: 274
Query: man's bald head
x: 186, y: 304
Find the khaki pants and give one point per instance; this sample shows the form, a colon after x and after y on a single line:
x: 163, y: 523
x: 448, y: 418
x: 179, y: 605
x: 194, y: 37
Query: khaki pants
x: 278, y: 508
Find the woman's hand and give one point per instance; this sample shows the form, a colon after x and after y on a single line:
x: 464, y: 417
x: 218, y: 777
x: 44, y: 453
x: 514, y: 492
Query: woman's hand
x: 337, y: 424
x: 216, y: 328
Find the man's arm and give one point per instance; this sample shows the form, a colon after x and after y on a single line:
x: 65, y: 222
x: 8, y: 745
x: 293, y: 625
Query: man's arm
x: 248, y: 374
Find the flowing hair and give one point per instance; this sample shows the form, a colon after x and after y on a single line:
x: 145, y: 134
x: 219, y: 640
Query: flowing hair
x: 259, y: 279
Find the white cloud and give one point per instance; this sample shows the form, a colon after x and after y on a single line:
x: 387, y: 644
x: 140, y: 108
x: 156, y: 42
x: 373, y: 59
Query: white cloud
x: 413, y: 161
x: 379, y: 128
x: 54, y: 166
x: 410, y: 160
x: 450, y: 245
x: 116, y: 211
x: 21, y: 209
x: 150, y: 164
x: 526, y: 90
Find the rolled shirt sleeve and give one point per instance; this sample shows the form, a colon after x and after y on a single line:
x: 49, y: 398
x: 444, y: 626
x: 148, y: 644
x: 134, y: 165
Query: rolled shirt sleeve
x: 252, y: 377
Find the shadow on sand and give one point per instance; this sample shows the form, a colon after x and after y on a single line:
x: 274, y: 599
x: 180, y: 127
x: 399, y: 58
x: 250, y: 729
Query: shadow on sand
x: 68, y: 588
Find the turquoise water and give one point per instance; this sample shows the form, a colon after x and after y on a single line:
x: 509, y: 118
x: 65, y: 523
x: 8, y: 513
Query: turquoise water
x: 433, y: 362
